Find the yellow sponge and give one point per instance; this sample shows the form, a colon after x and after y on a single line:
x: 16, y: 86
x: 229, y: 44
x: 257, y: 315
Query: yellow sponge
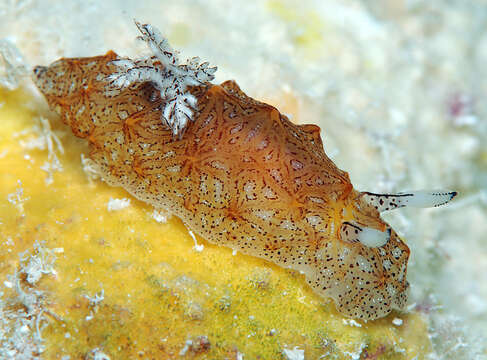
x: 128, y: 285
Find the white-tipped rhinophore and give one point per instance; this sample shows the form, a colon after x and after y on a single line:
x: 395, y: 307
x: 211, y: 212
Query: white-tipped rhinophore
x: 353, y: 233
x: 420, y: 198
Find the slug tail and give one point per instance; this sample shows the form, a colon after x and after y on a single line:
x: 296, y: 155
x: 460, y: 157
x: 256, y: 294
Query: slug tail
x: 72, y: 86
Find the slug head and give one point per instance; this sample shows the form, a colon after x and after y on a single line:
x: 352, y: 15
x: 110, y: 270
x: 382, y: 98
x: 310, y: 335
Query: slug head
x: 364, y: 271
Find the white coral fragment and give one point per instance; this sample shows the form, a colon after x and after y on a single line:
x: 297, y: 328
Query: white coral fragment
x: 161, y: 216
x: 12, y: 65
x: 17, y: 198
x: 197, y: 247
x: 165, y: 71
x: 97, y: 354
x: 90, y: 168
x: 96, y: 299
x: 293, y: 354
x: 397, y: 321
x: 34, y: 266
x: 42, y: 137
x: 23, y: 316
x: 117, y: 204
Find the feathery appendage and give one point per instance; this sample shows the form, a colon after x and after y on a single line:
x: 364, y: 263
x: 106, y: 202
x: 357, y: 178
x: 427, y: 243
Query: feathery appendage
x: 167, y: 74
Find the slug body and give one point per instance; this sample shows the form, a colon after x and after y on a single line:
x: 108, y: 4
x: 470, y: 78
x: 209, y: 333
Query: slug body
x: 243, y: 176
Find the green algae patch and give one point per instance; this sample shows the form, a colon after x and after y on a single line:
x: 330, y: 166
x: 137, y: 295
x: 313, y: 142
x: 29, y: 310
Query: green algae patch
x: 128, y: 286
x: 309, y: 35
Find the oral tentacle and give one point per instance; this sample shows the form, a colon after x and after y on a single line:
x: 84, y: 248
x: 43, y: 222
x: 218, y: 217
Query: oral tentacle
x: 353, y: 233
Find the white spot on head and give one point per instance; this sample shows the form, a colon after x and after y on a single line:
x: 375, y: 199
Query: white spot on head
x: 313, y: 220
x: 328, y: 273
x: 396, y: 252
x: 391, y: 290
x: 288, y: 225
x: 268, y: 193
x: 203, y: 220
x: 344, y: 253
x: 387, y: 264
x: 364, y: 264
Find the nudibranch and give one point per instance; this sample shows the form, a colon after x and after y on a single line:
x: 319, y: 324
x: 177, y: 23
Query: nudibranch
x: 235, y: 170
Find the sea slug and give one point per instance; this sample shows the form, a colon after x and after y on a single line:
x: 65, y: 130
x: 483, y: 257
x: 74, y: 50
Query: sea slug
x: 235, y: 170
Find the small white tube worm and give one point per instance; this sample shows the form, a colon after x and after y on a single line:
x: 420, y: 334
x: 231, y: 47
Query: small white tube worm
x: 420, y: 199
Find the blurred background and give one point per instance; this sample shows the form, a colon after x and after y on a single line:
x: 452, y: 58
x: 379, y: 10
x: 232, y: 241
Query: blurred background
x: 397, y: 87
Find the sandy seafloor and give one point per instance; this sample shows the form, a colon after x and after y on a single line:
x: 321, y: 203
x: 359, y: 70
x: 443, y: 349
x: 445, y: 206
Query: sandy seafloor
x: 398, y: 88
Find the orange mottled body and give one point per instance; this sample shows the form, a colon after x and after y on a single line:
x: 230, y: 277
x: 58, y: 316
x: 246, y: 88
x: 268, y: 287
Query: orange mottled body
x: 242, y: 176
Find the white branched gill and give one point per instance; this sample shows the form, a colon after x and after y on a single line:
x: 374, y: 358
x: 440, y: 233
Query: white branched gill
x: 167, y: 74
